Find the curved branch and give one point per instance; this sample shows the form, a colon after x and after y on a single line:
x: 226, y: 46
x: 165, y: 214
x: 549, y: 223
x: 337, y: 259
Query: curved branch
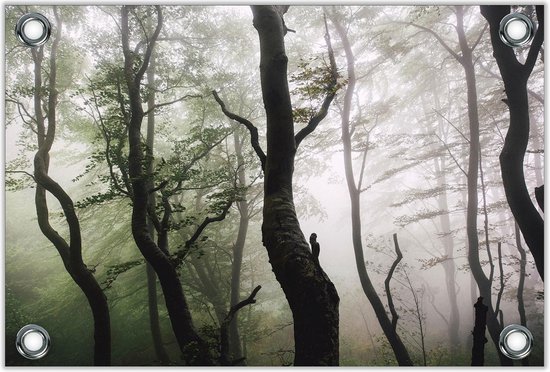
x: 437, y: 37
x: 537, y: 42
x: 172, y: 102
x: 150, y: 46
x: 254, y: 138
x: 391, y: 305
x: 331, y: 93
x: 224, y: 328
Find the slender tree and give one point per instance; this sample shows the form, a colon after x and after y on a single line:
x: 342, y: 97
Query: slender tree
x: 466, y: 60
x: 192, y: 346
x: 354, y: 188
x: 71, y: 251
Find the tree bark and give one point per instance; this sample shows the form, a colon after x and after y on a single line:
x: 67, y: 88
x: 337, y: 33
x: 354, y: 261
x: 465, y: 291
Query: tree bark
x: 399, y: 349
x: 194, y: 349
x: 311, y: 295
x: 515, y: 76
x: 70, y: 252
x: 478, y: 348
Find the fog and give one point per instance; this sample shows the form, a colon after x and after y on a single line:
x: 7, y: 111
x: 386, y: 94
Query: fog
x: 398, y: 138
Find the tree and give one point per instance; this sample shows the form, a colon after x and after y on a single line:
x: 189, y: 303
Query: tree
x: 355, y: 190
x: 314, y: 303
x: 465, y: 58
x: 193, y: 348
x: 515, y: 76
x: 71, y: 251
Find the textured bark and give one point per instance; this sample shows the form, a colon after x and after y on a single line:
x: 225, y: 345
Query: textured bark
x: 311, y: 295
x: 515, y: 76
x: 194, y: 349
x: 70, y: 252
x: 478, y: 348
x: 399, y: 349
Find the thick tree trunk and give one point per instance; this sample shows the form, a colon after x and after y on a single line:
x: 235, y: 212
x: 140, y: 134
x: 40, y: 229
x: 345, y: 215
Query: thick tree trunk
x: 71, y: 252
x: 194, y: 349
x: 399, y: 349
x: 310, y: 293
x: 515, y: 76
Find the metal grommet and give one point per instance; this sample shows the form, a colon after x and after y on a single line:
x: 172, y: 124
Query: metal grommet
x: 516, y: 29
x: 33, y: 342
x: 516, y: 341
x: 33, y: 29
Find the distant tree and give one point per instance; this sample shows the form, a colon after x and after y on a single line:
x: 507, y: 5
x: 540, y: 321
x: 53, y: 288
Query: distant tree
x: 465, y: 57
x: 355, y: 189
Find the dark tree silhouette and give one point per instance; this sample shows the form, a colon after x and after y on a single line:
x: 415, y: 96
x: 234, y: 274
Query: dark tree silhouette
x: 314, y: 303
x: 515, y: 76
x: 194, y: 349
x: 71, y: 251
x: 478, y: 348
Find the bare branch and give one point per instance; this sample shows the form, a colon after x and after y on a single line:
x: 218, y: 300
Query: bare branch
x: 172, y: 102
x: 224, y: 327
x: 254, y: 138
x: 391, y: 305
x: 537, y: 42
x: 451, y: 155
x: 21, y: 172
x: 479, y: 37
x: 452, y: 125
x: 437, y: 37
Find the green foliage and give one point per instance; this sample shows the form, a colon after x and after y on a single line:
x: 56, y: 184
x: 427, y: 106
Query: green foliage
x: 113, y: 271
x: 312, y: 81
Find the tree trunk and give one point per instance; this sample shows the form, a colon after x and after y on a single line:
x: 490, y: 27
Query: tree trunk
x: 515, y: 76
x: 521, y: 283
x: 478, y: 349
x: 449, y: 265
x: 311, y: 295
x: 194, y: 349
x: 154, y: 323
x: 70, y: 252
x: 235, y: 348
x: 399, y: 349
x: 483, y: 283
